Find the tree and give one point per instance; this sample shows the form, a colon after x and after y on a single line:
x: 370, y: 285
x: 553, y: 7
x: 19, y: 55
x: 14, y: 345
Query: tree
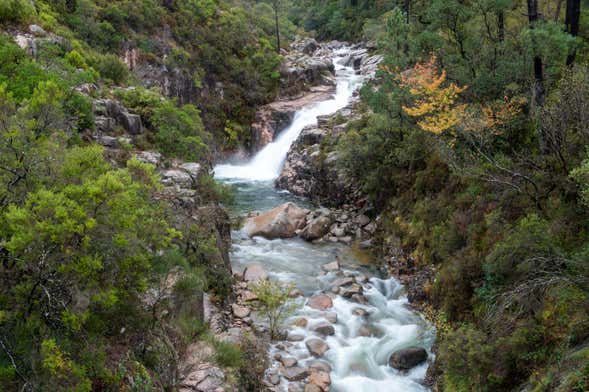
x: 538, y: 87
x: 272, y: 303
x: 276, y: 6
x: 435, y: 106
x: 573, y: 15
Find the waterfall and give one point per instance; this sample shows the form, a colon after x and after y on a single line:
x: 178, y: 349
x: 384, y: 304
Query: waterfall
x: 267, y: 163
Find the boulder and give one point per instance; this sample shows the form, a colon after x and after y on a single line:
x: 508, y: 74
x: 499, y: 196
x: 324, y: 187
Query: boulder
x: 320, y: 302
x: 316, y: 347
x: 151, y: 157
x: 206, y: 378
x: 316, y: 228
x: 37, y: 30
x: 321, y: 380
x: 330, y: 267
x: 254, y: 272
x: 295, y: 373
x: 325, y: 329
x: 192, y: 168
x: 280, y: 222
x: 319, y: 365
x: 176, y: 177
x: 407, y: 358
x: 240, y: 311
x: 288, y: 361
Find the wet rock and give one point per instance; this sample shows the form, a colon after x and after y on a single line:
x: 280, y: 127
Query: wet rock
x: 254, y: 272
x: 360, y: 312
x: 354, y: 289
x: 301, y: 322
x: 320, y: 302
x: 330, y: 267
x: 342, y: 282
x: 325, y: 329
x: 288, y: 361
x: 312, y: 388
x: 359, y: 298
x: 295, y: 373
x: 320, y: 379
x: 407, y: 358
x: 320, y: 365
x: 331, y: 317
x: 295, y: 338
x: 240, y: 311
x: 274, y: 378
x: 316, y: 347
x: 280, y: 222
x: 363, y: 331
x: 316, y: 228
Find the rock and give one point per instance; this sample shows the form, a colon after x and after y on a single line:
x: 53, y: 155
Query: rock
x: 331, y: 317
x: 176, y: 177
x: 316, y: 228
x: 312, y: 388
x: 407, y: 358
x: 295, y: 373
x: 329, y: 267
x: 86, y: 88
x: 274, y: 378
x: 247, y: 296
x: 363, y: 331
x: 113, y: 109
x: 362, y: 220
x: 240, y: 311
x: 316, y: 347
x: 301, y: 322
x: 310, y: 46
x: 320, y: 379
x: 206, y: 378
x: 254, y: 272
x: 359, y: 298
x: 37, y: 30
x: 319, y: 365
x: 366, y: 244
x: 192, y: 168
x: 295, y: 338
x: 280, y: 222
x: 320, y: 302
x: 360, y: 312
x: 151, y: 157
x: 108, y: 141
x: 288, y: 361
x: 325, y: 329
x: 354, y: 289
x: 342, y: 282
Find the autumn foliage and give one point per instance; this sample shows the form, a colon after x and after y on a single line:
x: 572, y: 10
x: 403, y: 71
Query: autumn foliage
x: 434, y: 106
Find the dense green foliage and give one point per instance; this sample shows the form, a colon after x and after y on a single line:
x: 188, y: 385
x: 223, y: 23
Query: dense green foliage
x: 482, y: 176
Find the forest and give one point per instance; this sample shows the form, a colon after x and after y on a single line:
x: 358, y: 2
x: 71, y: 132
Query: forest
x: 472, y: 144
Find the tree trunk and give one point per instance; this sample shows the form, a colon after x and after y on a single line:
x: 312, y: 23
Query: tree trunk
x: 573, y: 14
x: 276, y: 3
x: 501, y: 25
x: 538, y: 89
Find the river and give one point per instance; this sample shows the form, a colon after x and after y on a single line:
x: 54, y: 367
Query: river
x: 365, y: 334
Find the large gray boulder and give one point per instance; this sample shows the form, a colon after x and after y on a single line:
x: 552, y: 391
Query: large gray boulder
x: 280, y: 222
x: 407, y: 358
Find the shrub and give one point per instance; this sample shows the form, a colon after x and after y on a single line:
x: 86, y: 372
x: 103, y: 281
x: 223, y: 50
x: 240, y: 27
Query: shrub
x: 272, y: 303
x: 16, y: 11
x: 112, y: 68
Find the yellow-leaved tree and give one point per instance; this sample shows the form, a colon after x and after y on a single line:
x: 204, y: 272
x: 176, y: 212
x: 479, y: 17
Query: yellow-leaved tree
x: 434, y: 106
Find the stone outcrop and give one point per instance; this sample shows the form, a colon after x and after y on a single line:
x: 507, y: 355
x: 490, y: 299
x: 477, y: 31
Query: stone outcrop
x: 110, y: 113
x: 408, y: 358
x: 280, y: 222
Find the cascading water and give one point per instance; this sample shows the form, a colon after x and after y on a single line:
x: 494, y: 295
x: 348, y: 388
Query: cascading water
x: 365, y: 334
x: 267, y: 163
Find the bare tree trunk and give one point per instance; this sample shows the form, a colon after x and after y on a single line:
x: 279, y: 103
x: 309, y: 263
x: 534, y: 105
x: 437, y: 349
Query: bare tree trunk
x: 538, y: 89
x: 501, y: 25
x: 276, y: 4
x: 573, y: 15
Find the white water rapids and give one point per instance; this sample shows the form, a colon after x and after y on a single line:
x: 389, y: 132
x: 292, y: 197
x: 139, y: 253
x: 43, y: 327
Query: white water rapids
x: 362, y: 344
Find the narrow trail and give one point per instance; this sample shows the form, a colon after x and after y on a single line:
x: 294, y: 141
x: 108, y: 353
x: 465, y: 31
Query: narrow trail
x: 367, y: 327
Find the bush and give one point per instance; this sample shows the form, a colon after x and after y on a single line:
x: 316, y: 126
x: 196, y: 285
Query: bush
x: 272, y: 303
x: 16, y: 11
x: 255, y: 362
x: 112, y: 68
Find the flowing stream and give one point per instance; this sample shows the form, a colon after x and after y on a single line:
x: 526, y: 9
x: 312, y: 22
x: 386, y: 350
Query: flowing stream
x: 365, y: 334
